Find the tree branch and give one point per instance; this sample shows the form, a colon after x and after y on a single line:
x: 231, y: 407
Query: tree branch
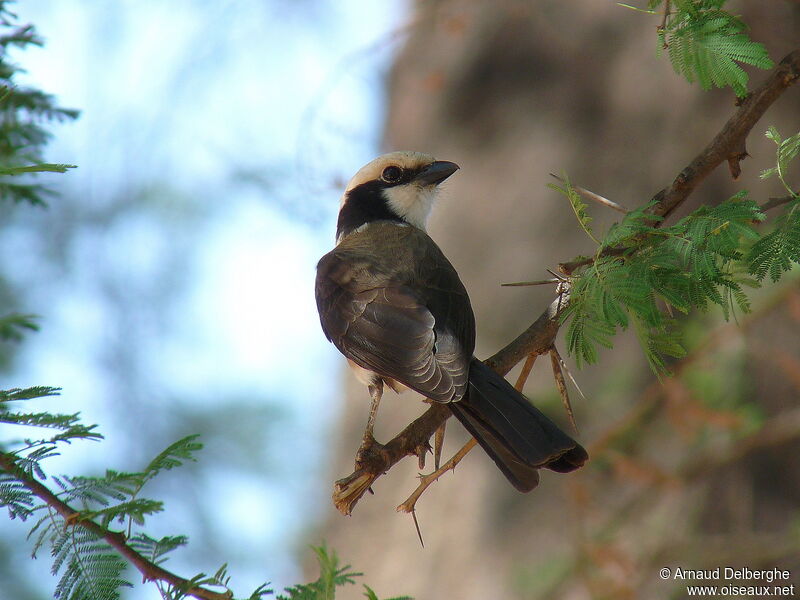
x: 149, y: 570
x: 409, y: 506
x: 727, y: 145
x: 775, y: 202
x: 413, y: 440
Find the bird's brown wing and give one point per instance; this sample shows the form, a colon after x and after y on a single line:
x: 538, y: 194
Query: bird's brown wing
x: 403, y: 313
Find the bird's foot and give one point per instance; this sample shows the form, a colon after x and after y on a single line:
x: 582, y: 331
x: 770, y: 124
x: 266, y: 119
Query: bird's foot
x: 371, y: 461
x: 348, y: 491
x: 369, y: 451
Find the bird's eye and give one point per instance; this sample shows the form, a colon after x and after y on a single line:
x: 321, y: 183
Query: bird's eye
x: 392, y: 174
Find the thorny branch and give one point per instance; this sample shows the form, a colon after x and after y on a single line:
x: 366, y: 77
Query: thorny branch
x: 413, y: 440
x: 728, y: 145
x: 149, y: 570
x: 409, y: 505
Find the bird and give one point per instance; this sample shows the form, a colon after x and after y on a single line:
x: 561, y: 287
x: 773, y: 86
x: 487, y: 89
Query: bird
x: 392, y: 303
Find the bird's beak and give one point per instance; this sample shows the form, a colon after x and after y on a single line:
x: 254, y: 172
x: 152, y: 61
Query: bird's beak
x: 435, y: 173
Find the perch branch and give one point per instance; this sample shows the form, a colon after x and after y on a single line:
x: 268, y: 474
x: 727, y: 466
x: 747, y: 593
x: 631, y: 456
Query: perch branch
x: 150, y: 571
x: 413, y: 440
x: 727, y: 145
x: 409, y: 506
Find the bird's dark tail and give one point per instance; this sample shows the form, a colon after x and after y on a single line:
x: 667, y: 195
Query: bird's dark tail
x: 513, y: 432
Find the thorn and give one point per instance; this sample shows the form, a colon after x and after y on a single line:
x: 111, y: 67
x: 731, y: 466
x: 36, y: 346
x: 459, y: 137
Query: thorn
x: 561, y: 384
x: 416, y: 524
x: 421, y: 452
x: 438, y: 442
x: 537, y: 282
x: 589, y: 195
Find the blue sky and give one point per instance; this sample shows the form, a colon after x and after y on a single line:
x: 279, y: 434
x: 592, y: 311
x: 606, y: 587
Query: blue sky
x: 180, y: 92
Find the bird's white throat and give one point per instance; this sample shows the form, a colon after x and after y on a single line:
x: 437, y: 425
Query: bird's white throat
x: 411, y: 202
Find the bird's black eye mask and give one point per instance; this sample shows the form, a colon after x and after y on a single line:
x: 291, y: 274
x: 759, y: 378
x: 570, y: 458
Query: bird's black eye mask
x: 395, y: 175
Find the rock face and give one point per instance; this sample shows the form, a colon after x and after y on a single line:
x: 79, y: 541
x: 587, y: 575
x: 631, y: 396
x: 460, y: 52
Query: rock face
x: 513, y: 91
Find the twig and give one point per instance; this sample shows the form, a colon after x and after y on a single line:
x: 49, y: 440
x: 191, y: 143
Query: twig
x: 775, y: 202
x: 663, y: 25
x: 538, y: 339
x: 526, y: 371
x: 779, y: 429
x: 426, y: 480
x: 150, y: 571
x: 561, y: 384
x: 590, y: 195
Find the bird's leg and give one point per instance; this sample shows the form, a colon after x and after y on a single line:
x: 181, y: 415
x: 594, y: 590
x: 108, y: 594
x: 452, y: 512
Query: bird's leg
x: 375, y: 392
x: 438, y: 442
x: 368, y: 441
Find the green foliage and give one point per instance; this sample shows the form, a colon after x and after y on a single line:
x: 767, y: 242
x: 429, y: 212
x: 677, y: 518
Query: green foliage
x: 220, y: 579
x: 29, y: 452
x: 12, y: 326
x: 577, y: 204
x: 331, y: 576
x: 778, y: 250
x: 77, y: 516
x: 156, y: 550
x: 92, y: 526
x: 39, y: 391
x: 23, y: 114
x: 707, y: 258
x: 786, y: 152
x: 705, y: 43
x: 88, y: 566
x: 15, y: 497
x: 639, y: 267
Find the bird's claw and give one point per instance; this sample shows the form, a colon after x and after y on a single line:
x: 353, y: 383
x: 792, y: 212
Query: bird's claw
x: 369, y: 451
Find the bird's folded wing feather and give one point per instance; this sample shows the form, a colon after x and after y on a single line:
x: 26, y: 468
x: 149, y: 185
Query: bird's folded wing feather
x: 385, y: 325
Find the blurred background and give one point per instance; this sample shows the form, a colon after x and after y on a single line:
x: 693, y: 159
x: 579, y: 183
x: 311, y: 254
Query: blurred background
x: 173, y: 273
